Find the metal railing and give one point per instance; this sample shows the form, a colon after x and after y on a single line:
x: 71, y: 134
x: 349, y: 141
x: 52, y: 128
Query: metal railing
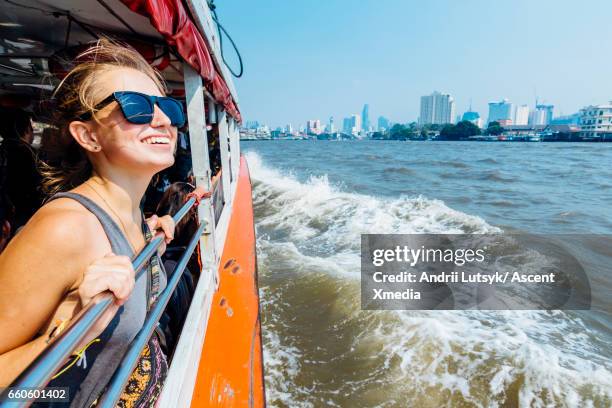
x: 50, y: 360
x: 123, y: 372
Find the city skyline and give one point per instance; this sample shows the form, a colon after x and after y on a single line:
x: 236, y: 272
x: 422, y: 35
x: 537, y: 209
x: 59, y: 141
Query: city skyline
x: 504, y: 111
x: 298, y: 67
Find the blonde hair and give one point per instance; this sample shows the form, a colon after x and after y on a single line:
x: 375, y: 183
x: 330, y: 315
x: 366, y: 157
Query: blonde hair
x: 65, y: 164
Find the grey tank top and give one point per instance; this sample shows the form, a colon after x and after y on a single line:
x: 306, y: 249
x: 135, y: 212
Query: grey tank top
x: 88, y: 378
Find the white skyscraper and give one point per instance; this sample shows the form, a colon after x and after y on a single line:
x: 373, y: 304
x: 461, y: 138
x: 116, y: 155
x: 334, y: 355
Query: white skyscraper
x: 596, y: 122
x: 355, y: 124
x: 313, y: 127
x: 330, y: 127
x: 521, y: 116
x: 542, y: 115
x: 437, y: 108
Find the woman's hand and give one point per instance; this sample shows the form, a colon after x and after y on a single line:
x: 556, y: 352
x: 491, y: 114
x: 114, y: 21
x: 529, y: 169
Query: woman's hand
x: 113, y: 273
x: 166, y: 225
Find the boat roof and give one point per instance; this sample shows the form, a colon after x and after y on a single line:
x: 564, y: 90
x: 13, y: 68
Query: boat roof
x: 32, y: 33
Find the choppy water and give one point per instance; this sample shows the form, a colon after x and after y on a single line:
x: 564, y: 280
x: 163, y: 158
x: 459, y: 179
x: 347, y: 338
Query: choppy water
x: 314, y: 199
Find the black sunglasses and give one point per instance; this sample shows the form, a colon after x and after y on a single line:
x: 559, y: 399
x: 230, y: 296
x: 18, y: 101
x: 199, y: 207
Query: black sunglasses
x: 138, y: 108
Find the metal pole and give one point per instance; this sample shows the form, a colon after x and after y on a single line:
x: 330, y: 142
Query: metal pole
x: 123, y: 372
x: 46, y: 364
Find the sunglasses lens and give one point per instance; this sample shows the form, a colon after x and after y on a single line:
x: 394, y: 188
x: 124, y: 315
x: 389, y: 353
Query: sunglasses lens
x: 136, y: 108
x: 173, y: 109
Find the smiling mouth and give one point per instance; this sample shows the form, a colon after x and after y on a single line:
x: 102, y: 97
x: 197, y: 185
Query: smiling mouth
x: 159, y: 140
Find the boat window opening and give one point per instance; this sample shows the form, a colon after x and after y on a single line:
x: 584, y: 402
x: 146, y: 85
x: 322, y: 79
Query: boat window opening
x: 32, y: 64
x: 215, y: 159
x: 214, y: 153
x: 171, y: 321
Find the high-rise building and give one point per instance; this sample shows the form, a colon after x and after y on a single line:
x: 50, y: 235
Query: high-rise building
x: 383, y: 123
x: 313, y: 127
x: 596, y: 122
x: 437, y: 108
x: 365, y: 117
x: 289, y: 129
x: 346, y: 125
x: 330, y: 126
x: 501, y: 111
x: 473, y: 117
x: 252, y: 124
x: 355, y: 124
x: 521, y: 115
x: 542, y: 115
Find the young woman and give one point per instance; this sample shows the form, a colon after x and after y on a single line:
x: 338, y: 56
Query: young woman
x: 116, y: 129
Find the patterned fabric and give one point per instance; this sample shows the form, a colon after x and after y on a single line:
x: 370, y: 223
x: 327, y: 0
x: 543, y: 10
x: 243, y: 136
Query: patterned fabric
x: 145, y: 384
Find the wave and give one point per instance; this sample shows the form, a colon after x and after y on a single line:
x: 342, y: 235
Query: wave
x: 308, y: 249
x: 399, y: 170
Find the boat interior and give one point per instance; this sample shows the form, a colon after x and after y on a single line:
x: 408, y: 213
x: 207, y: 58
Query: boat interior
x: 39, y: 40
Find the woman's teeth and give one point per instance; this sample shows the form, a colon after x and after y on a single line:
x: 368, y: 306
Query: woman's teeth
x: 156, y: 140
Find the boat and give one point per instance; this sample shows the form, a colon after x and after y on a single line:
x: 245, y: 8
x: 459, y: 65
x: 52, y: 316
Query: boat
x: 217, y: 360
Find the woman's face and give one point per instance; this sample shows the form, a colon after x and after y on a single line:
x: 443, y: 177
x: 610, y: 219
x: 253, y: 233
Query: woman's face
x: 126, y: 144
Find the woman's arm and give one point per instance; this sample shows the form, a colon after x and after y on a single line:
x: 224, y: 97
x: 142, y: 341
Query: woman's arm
x: 15, y: 361
x: 52, y: 255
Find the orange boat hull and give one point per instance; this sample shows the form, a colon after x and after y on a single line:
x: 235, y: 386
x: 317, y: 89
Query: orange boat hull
x: 230, y: 373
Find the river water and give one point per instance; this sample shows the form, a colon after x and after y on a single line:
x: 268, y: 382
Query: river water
x: 312, y: 201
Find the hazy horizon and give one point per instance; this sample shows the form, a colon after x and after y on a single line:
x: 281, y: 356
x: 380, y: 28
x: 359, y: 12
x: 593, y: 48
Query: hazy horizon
x: 313, y: 60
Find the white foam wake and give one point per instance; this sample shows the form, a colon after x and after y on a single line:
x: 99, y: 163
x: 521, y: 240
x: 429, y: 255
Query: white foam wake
x: 488, y: 358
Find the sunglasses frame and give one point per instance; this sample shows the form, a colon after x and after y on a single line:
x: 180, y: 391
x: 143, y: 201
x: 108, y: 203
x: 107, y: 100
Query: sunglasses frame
x: 119, y: 96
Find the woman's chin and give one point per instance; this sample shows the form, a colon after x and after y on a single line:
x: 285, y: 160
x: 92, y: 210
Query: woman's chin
x: 163, y: 164
x: 152, y: 166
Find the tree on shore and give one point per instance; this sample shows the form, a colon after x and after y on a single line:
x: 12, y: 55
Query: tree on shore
x: 494, y: 129
x: 461, y: 130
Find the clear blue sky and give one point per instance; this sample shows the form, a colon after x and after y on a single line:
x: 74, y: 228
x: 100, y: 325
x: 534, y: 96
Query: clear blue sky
x: 314, y: 59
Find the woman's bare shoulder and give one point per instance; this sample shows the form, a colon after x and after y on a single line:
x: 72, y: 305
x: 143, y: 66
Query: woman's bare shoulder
x: 61, y: 233
x: 63, y: 219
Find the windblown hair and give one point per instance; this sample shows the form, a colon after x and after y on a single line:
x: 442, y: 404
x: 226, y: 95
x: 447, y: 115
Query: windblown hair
x: 66, y: 164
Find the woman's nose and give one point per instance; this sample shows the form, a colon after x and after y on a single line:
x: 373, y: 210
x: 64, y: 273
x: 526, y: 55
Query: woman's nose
x: 160, y: 119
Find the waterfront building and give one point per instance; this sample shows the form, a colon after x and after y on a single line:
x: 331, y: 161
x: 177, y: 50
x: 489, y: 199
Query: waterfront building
x: 572, y: 120
x: 289, y: 129
x: 346, y: 125
x: 501, y: 111
x: 383, y: 123
x: 365, y: 117
x: 330, y: 126
x: 473, y: 117
x: 521, y: 115
x: 437, y: 108
x: 313, y: 127
x: 355, y: 124
x: 542, y: 115
x: 596, y: 122
x: 251, y: 124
